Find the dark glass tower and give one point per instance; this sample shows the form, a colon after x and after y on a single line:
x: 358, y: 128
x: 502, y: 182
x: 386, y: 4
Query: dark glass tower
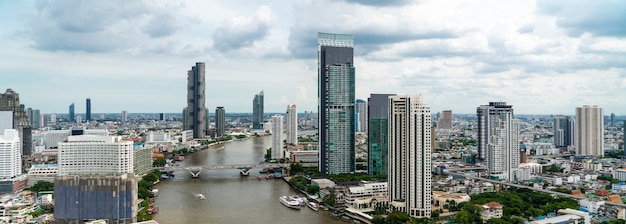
x: 220, y: 120
x: 257, y: 111
x: 563, y: 131
x: 336, y: 75
x: 88, y: 110
x: 195, y: 114
x: 72, y: 118
x: 378, y: 137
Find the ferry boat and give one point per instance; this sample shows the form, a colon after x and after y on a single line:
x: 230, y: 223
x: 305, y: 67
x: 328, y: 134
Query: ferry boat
x: 301, y: 200
x: 286, y: 201
x: 201, y: 196
x: 312, y: 205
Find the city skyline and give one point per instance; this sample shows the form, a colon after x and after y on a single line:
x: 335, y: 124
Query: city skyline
x: 544, y: 57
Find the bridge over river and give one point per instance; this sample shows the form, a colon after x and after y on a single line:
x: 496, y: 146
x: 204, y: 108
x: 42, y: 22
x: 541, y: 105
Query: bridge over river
x: 244, y: 168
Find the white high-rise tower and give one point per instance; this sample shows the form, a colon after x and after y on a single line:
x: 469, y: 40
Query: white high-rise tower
x: 277, y: 136
x: 292, y: 124
x: 10, y: 154
x: 409, y: 155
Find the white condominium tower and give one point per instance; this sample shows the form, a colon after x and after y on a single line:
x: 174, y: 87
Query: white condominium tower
x: 10, y: 154
x: 277, y: 136
x: 589, y: 130
x: 409, y: 173
x: 503, y: 148
x: 292, y: 124
x: 90, y: 155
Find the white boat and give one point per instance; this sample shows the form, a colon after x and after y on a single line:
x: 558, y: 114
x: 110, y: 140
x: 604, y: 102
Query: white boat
x: 286, y: 201
x: 313, y: 205
x: 201, y: 196
x: 301, y: 200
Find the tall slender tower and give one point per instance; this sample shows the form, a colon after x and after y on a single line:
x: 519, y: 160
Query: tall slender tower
x: 336, y: 103
x: 377, y: 133
x: 589, y: 130
x: 220, y: 120
x: 257, y: 111
x: 563, y: 131
x: 195, y: 114
x: 88, y: 110
x: 292, y: 124
x: 409, y: 155
x: 72, y: 116
x: 361, y: 116
x: 498, y: 143
x: 277, y: 136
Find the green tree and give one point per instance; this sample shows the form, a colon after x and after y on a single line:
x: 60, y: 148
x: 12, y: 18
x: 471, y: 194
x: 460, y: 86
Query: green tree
x: 435, y: 214
x: 330, y: 199
x: 184, y: 150
x: 377, y: 219
x: 296, y: 168
x: 464, y: 217
x: 160, y: 162
x: 41, y: 186
x: 143, y: 193
x: 397, y: 217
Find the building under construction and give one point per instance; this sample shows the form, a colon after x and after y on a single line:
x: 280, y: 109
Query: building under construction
x: 97, y: 197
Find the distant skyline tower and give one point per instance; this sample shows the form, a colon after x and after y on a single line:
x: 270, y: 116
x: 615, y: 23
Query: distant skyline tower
x: 220, y: 120
x: 336, y: 99
x: 409, y: 179
x: 486, y: 115
x: 277, y: 136
x: 195, y: 114
x: 10, y: 101
x: 257, y: 111
x: 612, y: 119
x: 35, y: 120
x: 161, y: 116
x: 378, y: 135
x: 563, y: 131
x: 361, y: 116
x: 124, y: 116
x: 53, y: 118
x: 72, y: 117
x: 292, y: 124
x: 498, y: 139
x: 589, y: 130
x: 445, y: 122
x: 88, y: 110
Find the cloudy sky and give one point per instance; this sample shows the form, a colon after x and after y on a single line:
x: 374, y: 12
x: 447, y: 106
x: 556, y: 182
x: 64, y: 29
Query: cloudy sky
x: 543, y: 57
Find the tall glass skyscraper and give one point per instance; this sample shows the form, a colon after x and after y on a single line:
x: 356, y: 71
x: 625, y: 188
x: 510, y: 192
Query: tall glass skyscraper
x: 361, y: 115
x: 257, y: 111
x: 336, y: 78
x: 88, y: 109
x: 378, y: 147
x: 72, y: 118
x: 220, y: 120
x: 195, y: 114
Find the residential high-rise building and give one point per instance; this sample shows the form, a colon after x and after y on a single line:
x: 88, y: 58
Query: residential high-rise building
x: 487, y: 116
x: 336, y: 80
x: 292, y: 125
x: 377, y: 133
x: 124, y: 116
x: 161, y: 116
x: 409, y: 177
x: 10, y: 101
x: 589, y: 130
x: 277, y: 136
x: 220, y: 120
x: 88, y: 110
x: 257, y: 111
x: 563, y: 131
x: 10, y: 154
x: 195, y: 114
x: 361, y: 116
x: 71, y: 113
x: 53, y: 118
x: 445, y: 122
x: 498, y: 144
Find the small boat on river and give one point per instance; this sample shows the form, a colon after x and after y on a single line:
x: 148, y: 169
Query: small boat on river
x: 290, y: 203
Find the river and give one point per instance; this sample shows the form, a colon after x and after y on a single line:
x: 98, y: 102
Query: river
x: 229, y: 197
